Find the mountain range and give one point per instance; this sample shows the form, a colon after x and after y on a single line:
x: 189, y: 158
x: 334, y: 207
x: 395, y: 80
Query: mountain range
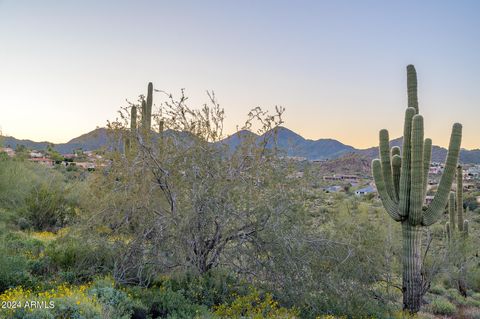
x: 290, y: 142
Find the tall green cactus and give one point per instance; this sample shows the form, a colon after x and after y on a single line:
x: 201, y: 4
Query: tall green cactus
x: 455, y: 207
x: 146, y: 118
x: 147, y: 109
x: 456, y: 212
x: 401, y: 183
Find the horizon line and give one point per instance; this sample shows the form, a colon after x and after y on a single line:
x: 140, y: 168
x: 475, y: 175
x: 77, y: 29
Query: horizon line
x: 231, y: 134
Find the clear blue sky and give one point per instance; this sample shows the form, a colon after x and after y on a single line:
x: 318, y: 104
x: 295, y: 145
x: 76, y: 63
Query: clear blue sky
x: 337, y: 66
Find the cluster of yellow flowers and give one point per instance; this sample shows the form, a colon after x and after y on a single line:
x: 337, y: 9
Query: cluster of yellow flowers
x: 44, y: 236
x: 19, y: 297
x: 253, y: 306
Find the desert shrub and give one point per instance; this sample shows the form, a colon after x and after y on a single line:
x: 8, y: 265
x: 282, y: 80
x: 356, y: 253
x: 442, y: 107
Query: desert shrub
x: 455, y: 296
x: 79, y: 259
x: 473, y: 278
x: 16, y: 253
x: 37, y: 314
x: 213, y: 288
x: 166, y: 303
x: 68, y: 301
x: 15, y: 183
x: 254, y: 305
x: 115, y: 303
x: 441, y: 306
x: 24, y: 223
x: 437, y: 290
x: 47, y: 208
x: 14, y: 271
x: 472, y: 302
x: 476, y: 296
x: 472, y: 313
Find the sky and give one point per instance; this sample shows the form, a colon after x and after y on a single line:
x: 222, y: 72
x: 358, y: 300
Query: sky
x: 338, y: 67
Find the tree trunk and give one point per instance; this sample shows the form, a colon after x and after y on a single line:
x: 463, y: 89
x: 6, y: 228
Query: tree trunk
x: 412, y: 263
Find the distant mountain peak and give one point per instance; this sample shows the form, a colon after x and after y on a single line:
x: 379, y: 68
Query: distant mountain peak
x: 288, y: 141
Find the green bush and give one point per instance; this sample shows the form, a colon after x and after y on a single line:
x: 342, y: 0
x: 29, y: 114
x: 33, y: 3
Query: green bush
x: 455, y: 296
x: 213, y: 288
x: 437, y: 290
x: 14, y: 271
x: 116, y: 303
x: 166, y: 303
x: 441, y: 306
x: 24, y: 223
x: 473, y: 278
x: 16, y: 252
x: 79, y: 259
x: 47, y: 207
x: 472, y: 313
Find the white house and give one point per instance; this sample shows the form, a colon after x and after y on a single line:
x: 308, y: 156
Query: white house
x: 366, y: 190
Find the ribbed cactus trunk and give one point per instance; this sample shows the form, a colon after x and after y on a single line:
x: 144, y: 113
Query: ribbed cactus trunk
x: 412, y: 266
x: 402, y: 182
x: 460, y: 198
x: 463, y: 229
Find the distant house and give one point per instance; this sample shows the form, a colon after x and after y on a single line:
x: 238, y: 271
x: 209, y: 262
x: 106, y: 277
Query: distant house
x: 435, y: 170
x: 295, y: 175
x: 351, y: 178
x: 469, y: 186
x: 85, y: 165
x: 366, y: 190
x: 10, y: 152
x: 36, y: 154
x: 43, y: 161
x: 69, y: 156
x: 474, y: 172
x: 296, y: 158
x: 333, y: 189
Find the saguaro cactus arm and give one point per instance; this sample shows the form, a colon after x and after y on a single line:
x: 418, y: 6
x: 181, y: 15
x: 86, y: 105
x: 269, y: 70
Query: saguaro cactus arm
x: 416, y: 187
x: 133, y: 118
x: 396, y: 168
x: 427, y: 156
x: 412, y: 87
x: 460, y: 197
x: 386, y: 165
x: 451, y: 211
x: 437, y: 207
x: 148, y: 106
x: 144, y: 113
x: 405, y: 174
x: 388, y: 203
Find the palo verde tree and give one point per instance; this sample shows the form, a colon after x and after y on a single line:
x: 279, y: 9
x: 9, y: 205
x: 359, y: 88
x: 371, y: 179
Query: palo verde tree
x: 401, y: 180
x: 186, y: 200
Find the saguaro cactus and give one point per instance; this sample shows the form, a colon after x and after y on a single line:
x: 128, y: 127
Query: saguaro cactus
x: 401, y: 183
x: 147, y: 109
x: 146, y: 118
x: 456, y: 212
x: 455, y: 207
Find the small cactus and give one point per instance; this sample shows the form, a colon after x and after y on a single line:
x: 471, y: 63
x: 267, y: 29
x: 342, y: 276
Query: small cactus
x: 146, y: 118
x: 455, y: 208
x: 147, y: 109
